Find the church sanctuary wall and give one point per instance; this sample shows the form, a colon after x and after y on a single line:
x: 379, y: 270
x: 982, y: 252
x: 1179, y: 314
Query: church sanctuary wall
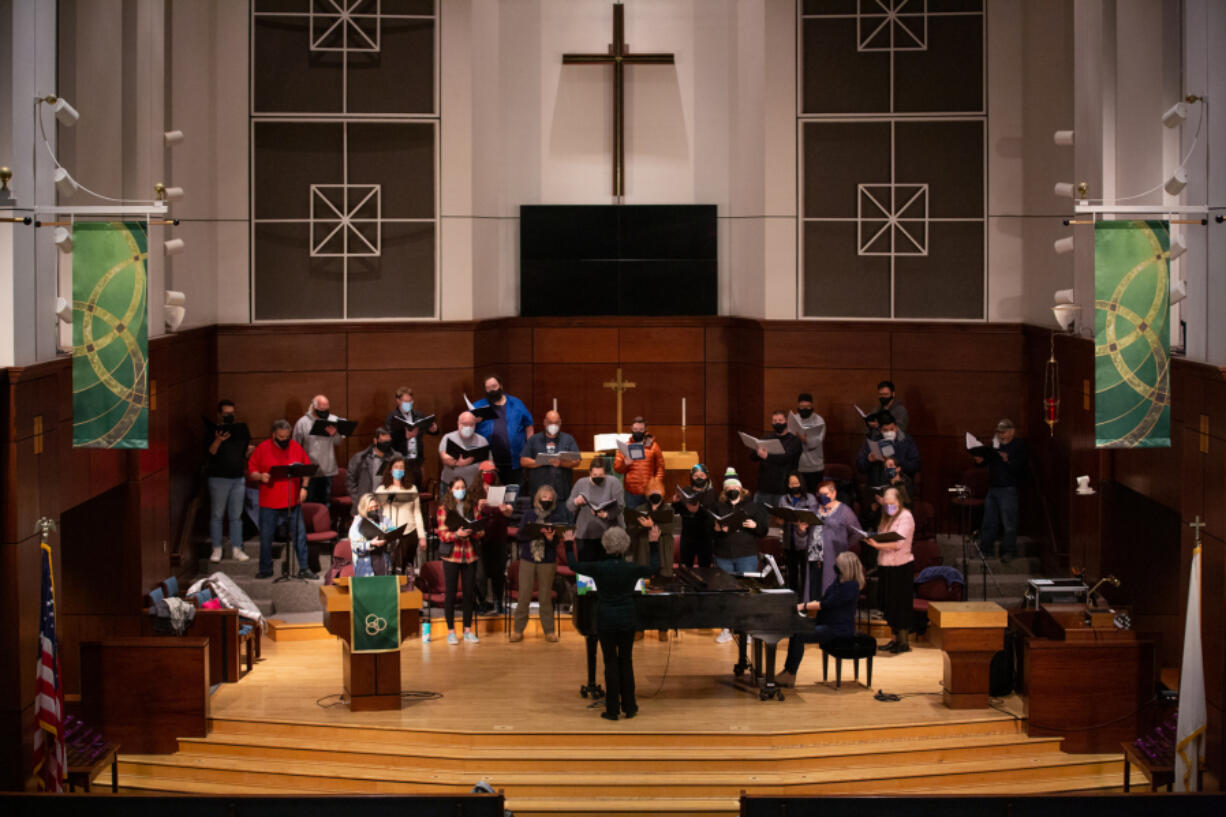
x: 123, y: 509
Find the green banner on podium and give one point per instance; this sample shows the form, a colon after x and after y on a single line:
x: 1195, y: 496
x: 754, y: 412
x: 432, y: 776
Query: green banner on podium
x: 376, y: 613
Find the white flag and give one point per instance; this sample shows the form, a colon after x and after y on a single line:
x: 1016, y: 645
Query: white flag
x: 1190, y: 736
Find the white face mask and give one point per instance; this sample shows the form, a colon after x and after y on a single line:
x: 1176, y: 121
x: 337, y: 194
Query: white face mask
x: 889, y: 435
x: 467, y: 431
x: 552, y: 429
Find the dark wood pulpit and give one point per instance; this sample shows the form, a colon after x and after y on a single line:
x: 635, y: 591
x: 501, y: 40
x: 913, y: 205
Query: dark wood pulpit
x: 969, y: 633
x: 1083, y: 679
x: 372, y: 680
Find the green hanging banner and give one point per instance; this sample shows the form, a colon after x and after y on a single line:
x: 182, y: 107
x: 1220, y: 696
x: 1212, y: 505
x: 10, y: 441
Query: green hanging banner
x: 376, y: 613
x: 110, y: 335
x: 1132, y: 306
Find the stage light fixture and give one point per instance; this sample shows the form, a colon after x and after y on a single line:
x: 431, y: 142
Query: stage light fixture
x: 1063, y: 138
x: 1065, y: 296
x: 173, y: 246
x: 1175, y: 115
x: 175, y: 309
x: 1066, y: 315
x: 1177, y: 182
x: 65, y: 114
x: 63, y: 310
x: 1178, y: 247
x: 1065, y: 190
x: 1179, y: 291
x: 65, y: 183
x: 1063, y: 245
x: 173, y: 193
x: 63, y: 239
x: 172, y: 137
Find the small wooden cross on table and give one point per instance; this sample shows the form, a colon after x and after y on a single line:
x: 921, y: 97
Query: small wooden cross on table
x: 620, y: 57
x: 1195, y: 525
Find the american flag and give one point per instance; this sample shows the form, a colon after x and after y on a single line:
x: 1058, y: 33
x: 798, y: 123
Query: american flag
x: 50, y: 750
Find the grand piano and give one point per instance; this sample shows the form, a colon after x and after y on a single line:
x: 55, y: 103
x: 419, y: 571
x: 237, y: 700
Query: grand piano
x: 709, y: 598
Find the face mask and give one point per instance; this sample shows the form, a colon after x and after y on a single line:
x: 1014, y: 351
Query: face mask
x: 796, y: 490
x: 638, y: 436
x: 732, y: 496
x: 654, y: 499
x: 488, y: 478
x: 885, y: 401
x: 779, y: 427
x: 891, y: 509
x: 546, y: 505
x: 467, y: 431
x: 283, y: 443
x: 384, y: 446
x: 552, y: 429
x: 406, y: 406
x: 598, y: 481
x: 397, y: 473
x: 459, y: 493
x: 889, y: 435
x: 226, y: 419
x: 493, y: 396
x: 321, y: 414
x: 891, y: 472
x: 373, y: 515
x: 805, y: 414
x: 823, y: 500
x: 698, y: 482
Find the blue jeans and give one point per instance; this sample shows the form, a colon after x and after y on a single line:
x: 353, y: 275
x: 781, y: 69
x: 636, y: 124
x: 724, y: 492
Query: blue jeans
x: 269, y: 519
x: 741, y: 564
x: 634, y: 500
x: 822, y: 634
x: 227, y: 494
x: 999, y: 510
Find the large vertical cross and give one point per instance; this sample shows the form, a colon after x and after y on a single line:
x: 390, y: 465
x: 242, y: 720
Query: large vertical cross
x: 619, y: 57
x: 618, y: 385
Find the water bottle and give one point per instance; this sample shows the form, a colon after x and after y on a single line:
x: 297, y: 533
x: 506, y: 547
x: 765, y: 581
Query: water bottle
x: 425, y: 632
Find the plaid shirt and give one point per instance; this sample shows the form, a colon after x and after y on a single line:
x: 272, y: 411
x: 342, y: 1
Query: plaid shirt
x: 463, y: 550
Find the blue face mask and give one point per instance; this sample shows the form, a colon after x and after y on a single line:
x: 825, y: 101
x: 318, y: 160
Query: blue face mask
x: 406, y: 406
x: 397, y: 473
x: 823, y: 500
x: 459, y: 493
x: 891, y: 472
x: 891, y: 509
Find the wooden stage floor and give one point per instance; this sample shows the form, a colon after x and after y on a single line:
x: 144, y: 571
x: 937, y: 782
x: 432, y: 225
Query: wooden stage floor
x: 684, y: 685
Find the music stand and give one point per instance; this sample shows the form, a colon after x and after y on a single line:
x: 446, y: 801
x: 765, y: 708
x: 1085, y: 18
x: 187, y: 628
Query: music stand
x: 289, y: 473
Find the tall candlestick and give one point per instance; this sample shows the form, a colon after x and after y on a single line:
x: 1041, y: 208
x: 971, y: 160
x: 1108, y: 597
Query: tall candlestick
x: 555, y: 404
x: 683, y: 412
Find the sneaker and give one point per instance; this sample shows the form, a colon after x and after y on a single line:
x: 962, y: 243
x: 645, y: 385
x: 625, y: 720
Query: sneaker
x: 516, y: 637
x: 264, y: 574
x: 425, y: 638
x: 631, y: 713
x: 724, y: 637
x: 239, y: 556
x: 471, y: 637
x: 785, y: 679
x: 452, y: 639
x: 215, y: 556
x: 307, y: 574
x: 609, y: 716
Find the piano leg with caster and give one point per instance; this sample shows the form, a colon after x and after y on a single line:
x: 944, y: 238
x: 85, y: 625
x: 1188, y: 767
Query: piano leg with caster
x: 742, y: 662
x: 592, y: 689
x: 769, y: 688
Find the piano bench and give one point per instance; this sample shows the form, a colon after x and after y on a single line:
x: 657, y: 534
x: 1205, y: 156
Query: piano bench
x: 853, y: 649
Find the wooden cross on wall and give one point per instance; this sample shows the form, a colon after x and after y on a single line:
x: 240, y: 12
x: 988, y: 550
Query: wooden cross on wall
x: 619, y: 57
x: 618, y: 385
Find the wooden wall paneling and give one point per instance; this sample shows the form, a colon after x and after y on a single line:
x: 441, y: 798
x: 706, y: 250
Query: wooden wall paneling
x: 1214, y: 481
x: 582, y: 399
x: 1187, y: 392
x: 574, y: 345
x: 498, y: 342
x: 371, y: 395
x: 279, y: 349
x: 153, y: 496
x: 835, y: 393
x: 658, y: 392
x: 952, y: 403
x: 423, y: 348
x: 22, y: 601
x: 26, y: 507
x: 718, y: 398
x: 262, y: 397
x: 1215, y: 403
x: 819, y: 347
x: 516, y: 378
x: 719, y: 441
x: 661, y: 344
x: 16, y: 746
x: 1154, y: 472
x: 1191, y: 478
x: 985, y: 348
x: 1213, y: 637
x: 106, y: 467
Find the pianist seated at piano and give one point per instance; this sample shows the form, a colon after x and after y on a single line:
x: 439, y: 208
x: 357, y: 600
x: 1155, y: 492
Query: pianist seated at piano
x: 836, y: 614
x: 365, y: 548
x: 615, y: 619
x: 736, y: 544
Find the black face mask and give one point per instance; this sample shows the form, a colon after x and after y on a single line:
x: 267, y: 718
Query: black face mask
x: 732, y: 496
x: 321, y: 414
x: 885, y: 401
x: 546, y: 505
x: 227, y: 419
x: 373, y: 515
x: 796, y: 490
x: 384, y: 446
x: 805, y: 414
x: 598, y: 480
x: 654, y: 499
x: 779, y: 427
x: 699, y: 482
x: 282, y: 443
x: 638, y: 436
x: 493, y: 396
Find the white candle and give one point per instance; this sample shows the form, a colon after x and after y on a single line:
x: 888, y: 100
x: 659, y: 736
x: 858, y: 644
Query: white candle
x: 555, y: 404
x: 683, y: 412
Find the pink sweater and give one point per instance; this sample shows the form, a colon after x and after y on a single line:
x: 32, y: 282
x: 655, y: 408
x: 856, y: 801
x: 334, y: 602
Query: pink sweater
x: 904, y: 526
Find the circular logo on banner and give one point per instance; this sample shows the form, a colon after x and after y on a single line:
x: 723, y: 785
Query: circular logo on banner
x: 375, y: 624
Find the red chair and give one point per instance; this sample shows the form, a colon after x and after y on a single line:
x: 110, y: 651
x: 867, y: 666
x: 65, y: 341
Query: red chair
x: 433, y: 586
x: 342, y: 562
x: 513, y: 596
x: 927, y: 553
x: 925, y: 519
x: 319, y: 531
x: 929, y: 591
x: 342, y: 506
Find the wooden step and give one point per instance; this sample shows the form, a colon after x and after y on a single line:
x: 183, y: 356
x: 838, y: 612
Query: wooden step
x: 785, y: 756
x: 886, y: 778
x: 623, y: 806
x: 996, y: 724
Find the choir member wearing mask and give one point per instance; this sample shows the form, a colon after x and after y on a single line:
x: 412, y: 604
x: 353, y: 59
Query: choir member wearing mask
x: 405, y: 441
x: 226, y: 470
x: 458, y: 550
x: 736, y: 546
x: 403, y: 511
x: 894, y: 569
x: 773, y: 469
x: 465, y: 437
x: 812, y: 438
x: 369, y: 556
x: 362, y: 473
x: 538, y: 561
x: 507, y: 432
x: 837, y: 535
x: 802, y: 543
x: 492, y: 549
x: 697, y: 531
x: 650, y: 538
x: 321, y: 450
x: 888, y: 404
x: 557, y: 473
x: 597, y: 488
x: 640, y: 472
x: 894, y: 443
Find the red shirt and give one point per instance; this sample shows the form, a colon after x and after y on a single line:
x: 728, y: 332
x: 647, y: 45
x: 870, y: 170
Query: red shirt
x: 274, y: 493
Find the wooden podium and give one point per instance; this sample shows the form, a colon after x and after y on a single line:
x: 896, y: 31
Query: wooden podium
x: 969, y: 633
x: 372, y: 680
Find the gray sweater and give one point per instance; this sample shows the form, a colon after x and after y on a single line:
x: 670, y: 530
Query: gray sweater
x: 587, y: 524
x: 321, y: 450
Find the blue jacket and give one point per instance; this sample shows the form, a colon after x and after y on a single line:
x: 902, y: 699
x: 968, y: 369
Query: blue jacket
x: 518, y: 419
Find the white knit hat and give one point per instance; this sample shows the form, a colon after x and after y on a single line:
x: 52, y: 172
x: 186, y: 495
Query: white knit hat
x: 731, y: 478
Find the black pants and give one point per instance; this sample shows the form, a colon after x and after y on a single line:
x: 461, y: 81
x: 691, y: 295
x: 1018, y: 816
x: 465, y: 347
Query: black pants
x: 813, y: 479
x: 492, y: 566
x: 695, y: 550
x: 406, y: 553
x: 467, y: 575
x: 618, y: 649
x: 798, y: 565
x: 509, y: 473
